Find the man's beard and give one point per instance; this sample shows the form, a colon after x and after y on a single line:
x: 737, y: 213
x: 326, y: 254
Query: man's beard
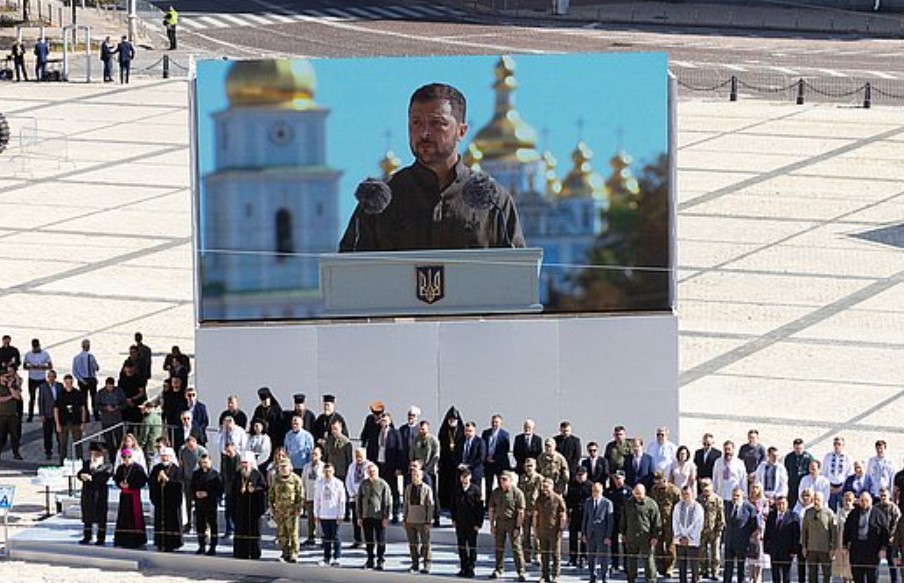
x: 246, y: 472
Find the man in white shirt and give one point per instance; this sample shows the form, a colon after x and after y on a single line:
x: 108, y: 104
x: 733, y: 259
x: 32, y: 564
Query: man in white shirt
x: 729, y: 473
x: 880, y: 469
x: 37, y: 362
x: 662, y: 451
x: 816, y: 482
x: 329, y: 509
x: 687, y: 525
x: 231, y: 433
x: 357, y: 473
x: 836, y: 467
x: 773, y: 476
x: 310, y: 475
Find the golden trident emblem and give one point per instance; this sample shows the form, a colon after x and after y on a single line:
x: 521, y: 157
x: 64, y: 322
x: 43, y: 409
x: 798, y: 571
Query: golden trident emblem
x: 430, y: 283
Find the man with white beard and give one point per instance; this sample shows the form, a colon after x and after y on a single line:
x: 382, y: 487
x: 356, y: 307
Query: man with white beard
x: 165, y: 483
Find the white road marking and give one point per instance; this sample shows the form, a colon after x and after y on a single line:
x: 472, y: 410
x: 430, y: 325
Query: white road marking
x: 734, y: 68
x: 211, y: 22
x: 785, y: 70
x: 234, y: 19
x: 683, y: 64
x: 832, y: 72
x: 881, y: 75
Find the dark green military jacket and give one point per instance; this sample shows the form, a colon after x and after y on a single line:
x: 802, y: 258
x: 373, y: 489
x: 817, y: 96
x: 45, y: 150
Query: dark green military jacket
x: 640, y: 522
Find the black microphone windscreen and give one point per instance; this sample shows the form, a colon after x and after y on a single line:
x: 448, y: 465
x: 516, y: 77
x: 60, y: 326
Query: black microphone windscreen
x: 374, y: 195
x: 480, y: 191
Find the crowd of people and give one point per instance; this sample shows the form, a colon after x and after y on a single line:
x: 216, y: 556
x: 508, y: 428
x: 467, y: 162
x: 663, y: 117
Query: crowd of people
x: 720, y: 512
x: 122, y: 53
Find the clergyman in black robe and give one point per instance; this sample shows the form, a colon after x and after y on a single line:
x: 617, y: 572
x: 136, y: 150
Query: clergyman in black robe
x: 130, y: 478
x: 450, y: 433
x: 206, y: 490
x: 94, y: 475
x: 250, y: 494
x: 165, y: 483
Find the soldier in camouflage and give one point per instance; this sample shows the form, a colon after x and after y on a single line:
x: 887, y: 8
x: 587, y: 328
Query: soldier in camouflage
x: 713, y: 525
x: 666, y: 495
x: 286, y: 499
x: 530, y: 483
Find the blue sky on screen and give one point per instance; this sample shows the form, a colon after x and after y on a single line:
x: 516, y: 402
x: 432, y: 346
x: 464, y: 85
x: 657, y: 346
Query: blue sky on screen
x: 606, y: 99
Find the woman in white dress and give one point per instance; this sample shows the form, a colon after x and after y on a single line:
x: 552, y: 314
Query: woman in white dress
x: 259, y: 442
x: 131, y: 443
x: 757, y: 558
x: 683, y: 472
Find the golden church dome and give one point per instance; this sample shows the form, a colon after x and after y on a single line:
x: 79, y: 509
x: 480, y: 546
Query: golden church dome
x: 553, y: 184
x: 286, y: 84
x: 507, y: 136
x: 622, y: 186
x: 389, y: 164
x: 582, y: 181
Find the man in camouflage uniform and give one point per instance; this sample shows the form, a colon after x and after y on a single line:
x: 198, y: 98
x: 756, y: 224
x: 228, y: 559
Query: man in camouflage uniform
x: 666, y: 495
x: 549, y: 521
x: 713, y: 524
x: 506, y: 520
x: 530, y: 483
x: 551, y: 464
x: 641, y: 525
x: 286, y: 498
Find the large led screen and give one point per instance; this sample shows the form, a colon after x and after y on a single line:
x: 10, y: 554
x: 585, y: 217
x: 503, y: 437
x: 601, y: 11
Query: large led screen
x: 447, y: 171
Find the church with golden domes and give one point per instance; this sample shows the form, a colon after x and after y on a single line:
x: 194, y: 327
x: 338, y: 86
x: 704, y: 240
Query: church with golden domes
x: 270, y: 196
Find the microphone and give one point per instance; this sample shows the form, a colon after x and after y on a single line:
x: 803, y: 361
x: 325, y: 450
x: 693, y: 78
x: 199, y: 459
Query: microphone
x: 373, y: 196
x: 481, y: 192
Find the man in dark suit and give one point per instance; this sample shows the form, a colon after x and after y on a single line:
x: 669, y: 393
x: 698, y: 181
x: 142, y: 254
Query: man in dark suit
x: 467, y: 516
x: 781, y: 540
x: 597, y: 526
x: 865, y: 533
x: 126, y: 53
x: 498, y: 445
x: 408, y: 431
x: 740, y: 524
x: 597, y: 467
x: 705, y: 458
x: 527, y: 445
x: 472, y: 453
x: 569, y: 446
x: 638, y: 466
x: 200, y: 419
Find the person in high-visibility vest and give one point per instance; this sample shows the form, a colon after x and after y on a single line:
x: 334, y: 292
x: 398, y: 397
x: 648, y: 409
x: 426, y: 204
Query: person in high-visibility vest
x: 170, y: 20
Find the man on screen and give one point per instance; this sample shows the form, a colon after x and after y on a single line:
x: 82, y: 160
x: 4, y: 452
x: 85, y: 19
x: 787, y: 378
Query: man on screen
x: 437, y: 202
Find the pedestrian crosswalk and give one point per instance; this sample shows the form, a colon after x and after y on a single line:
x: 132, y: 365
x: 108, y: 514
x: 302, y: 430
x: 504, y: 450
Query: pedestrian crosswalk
x: 763, y: 69
x: 196, y: 21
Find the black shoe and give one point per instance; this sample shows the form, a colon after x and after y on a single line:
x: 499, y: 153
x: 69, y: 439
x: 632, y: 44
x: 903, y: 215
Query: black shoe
x: 29, y: 419
x: 200, y: 551
x: 85, y: 541
x: 17, y: 457
x: 379, y: 566
x: 355, y: 546
x: 186, y: 529
x: 522, y: 578
x: 461, y: 573
x: 367, y: 565
x: 211, y: 552
x: 436, y: 522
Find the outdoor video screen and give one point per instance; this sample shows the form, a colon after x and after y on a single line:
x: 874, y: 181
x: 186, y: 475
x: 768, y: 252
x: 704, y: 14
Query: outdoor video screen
x: 438, y: 186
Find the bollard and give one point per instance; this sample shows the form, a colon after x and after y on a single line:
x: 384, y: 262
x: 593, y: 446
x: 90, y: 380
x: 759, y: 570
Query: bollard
x: 166, y: 66
x: 733, y: 96
x: 800, y: 92
x: 867, y: 95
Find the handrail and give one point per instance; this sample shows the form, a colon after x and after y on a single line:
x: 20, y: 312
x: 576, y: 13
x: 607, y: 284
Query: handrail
x: 97, y: 434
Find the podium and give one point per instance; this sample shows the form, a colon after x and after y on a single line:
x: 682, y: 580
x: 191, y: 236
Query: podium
x: 424, y: 283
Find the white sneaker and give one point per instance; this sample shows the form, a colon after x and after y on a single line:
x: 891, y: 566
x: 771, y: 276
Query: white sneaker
x: 322, y: 564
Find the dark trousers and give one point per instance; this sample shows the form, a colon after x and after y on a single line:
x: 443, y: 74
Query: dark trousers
x: 89, y: 392
x: 781, y: 571
x: 124, y: 67
x: 32, y: 394
x: 190, y: 503
x: 735, y: 560
x: 868, y: 574
x: 9, y: 430
x: 801, y: 570
x: 48, y: 426
x: 618, y: 551
x: 101, y: 531
x: 688, y: 556
x: 891, y: 553
x: 112, y: 439
x: 433, y: 485
x: 20, y: 67
x: 332, y: 545
x: 597, y: 558
x: 229, y: 514
x: 467, y: 548
x: 817, y: 562
x: 374, y: 536
x: 352, y: 508
x: 108, y: 70
x: 206, y: 518
x: 171, y: 35
x: 40, y: 75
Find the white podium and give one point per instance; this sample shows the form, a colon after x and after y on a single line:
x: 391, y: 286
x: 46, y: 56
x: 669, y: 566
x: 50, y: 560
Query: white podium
x: 409, y: 283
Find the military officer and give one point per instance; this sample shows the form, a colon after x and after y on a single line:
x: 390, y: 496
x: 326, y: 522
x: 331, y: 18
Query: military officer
x: 553, y: 465
x: 666, y: 495
x: 641, y: 525
x: 506, y: 520
x: 530, y: 484
x: 286, y: 498
x: 619, y: 494
x: 549, y: 521
x: 713, y: 525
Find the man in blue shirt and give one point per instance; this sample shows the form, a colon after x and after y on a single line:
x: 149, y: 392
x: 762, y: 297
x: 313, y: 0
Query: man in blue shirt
x: 85, y: 369
x: 299, y: 444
